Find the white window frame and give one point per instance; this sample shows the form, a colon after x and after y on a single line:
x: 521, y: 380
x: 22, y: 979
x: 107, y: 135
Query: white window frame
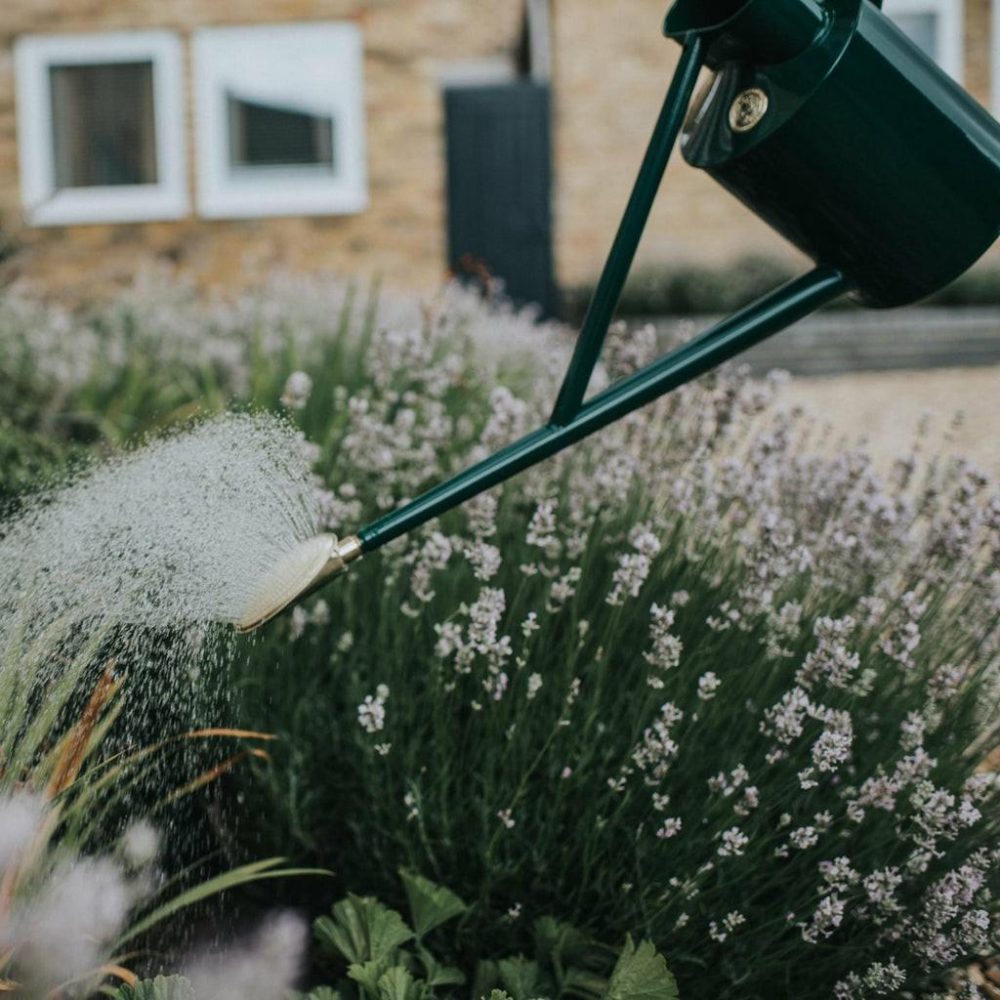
x: 256, y: 192
x: 47, y: 205
x: 540, y: 39
x: 951, y: 29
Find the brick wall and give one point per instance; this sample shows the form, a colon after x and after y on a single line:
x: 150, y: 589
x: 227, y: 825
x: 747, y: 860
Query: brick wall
x: 612, y: 72
x: 400, y: 237
x: 611, y: 76
x: 979, y: 48
x: 611, y: 69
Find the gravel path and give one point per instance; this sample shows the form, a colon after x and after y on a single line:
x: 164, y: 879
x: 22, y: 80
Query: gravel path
x: 886, y: 408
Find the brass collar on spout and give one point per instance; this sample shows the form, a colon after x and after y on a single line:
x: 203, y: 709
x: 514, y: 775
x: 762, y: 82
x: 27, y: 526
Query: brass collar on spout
x: 300, y: 572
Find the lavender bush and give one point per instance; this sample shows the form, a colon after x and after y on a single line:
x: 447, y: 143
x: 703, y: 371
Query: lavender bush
x: 691, y: 681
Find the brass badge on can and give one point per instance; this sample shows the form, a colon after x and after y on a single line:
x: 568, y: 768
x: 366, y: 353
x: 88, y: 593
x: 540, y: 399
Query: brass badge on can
x: 748, y: 109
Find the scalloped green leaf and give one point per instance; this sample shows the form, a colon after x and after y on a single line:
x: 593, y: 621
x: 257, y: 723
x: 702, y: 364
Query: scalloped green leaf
x: 398, y: 984
x: 641, y: 973
x: 430, y: 904
x: 520, y: 977
x: 362, y: 930
x: 367, y: 976
x: 160, y: 988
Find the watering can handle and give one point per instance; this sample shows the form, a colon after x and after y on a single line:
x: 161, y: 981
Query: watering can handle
x: 572, y: 419
x: 609, y: 287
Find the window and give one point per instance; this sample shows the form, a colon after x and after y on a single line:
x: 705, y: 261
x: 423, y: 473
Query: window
x: 280, y: 120
x: 101, y: 127
x: 937, y: 26
x: 263, y: 136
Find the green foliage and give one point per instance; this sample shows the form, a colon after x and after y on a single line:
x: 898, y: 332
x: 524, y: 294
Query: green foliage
x: 363, y: 930
x: 385, y: 959
x: 702, y: 555
x: 699, y: 289
x: 28, y: 458
x: 701, y: 561
x: 255, y: 872
x: 160, y: 988
x: 641, y: 974
x: 430, y: 905
x: 112, y: 372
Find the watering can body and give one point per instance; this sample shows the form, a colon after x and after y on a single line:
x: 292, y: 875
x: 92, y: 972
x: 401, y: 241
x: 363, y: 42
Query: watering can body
x: 841, y: 134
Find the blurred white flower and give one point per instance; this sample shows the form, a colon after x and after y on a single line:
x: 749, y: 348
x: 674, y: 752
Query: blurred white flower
x: 141, y: 844
x: 371, y: 712
x: 264, y: 968
x: 20, y: 817
x: 298, y: 388
x: 62, y: 931
x: 708, y: 686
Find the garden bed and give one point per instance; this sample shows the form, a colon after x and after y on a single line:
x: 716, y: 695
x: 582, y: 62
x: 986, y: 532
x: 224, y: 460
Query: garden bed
x: 693, y: 694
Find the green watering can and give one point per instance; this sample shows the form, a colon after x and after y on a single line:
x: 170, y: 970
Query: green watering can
x: 827, y: 122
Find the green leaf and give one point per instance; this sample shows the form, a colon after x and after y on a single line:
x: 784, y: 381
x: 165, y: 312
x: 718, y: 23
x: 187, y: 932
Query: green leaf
x: 579, y: 982
x: 498, y: 995
x: 446, y: 975
x: 367, y: 976
x: 487, y: 978
x: 641, y: 974
x: 436, y: 974
x: 342, y: 936
x: 520, y: 977
x: 160, y: 988
x: 561, y: 943
x: 255, y: 872
x: 320, y: 993
x: 430, y: 904
x: 398, y: 984
x: 362, y: 930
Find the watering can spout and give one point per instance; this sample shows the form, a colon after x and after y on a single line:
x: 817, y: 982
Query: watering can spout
x: 761, y: 31
x: 297, y: 574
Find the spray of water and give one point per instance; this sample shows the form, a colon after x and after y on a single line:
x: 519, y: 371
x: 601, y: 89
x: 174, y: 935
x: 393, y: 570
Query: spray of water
x: 137, y: 567
x: 135, y: 570
x: 177, y: 533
